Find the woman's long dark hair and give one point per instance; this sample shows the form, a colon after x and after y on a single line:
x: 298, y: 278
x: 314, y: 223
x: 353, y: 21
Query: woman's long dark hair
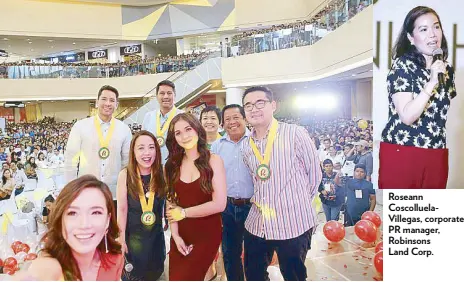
x: 157, y: 183
x: 56, y: 245
x: 3, y: 176
x: 404, y: 47
x: 176, y: 155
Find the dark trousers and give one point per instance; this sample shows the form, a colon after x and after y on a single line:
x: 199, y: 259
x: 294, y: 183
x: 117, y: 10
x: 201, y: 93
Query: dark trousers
x: 233, y: 227
x: 291, y: 254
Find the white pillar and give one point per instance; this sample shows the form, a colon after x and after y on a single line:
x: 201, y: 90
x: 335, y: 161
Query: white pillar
x: 234, y: 95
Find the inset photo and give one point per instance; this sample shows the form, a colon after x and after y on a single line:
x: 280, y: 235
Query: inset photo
x: 416, y: 109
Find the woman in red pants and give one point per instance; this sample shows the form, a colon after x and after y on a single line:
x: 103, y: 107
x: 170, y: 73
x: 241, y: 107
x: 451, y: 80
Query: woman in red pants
x: 413, y: 153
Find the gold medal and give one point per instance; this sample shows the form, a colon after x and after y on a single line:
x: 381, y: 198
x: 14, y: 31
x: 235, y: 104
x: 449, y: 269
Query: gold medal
x: 264, y: 171
x: 148, y: 218
x: 104, y: 153
x: 160, y: 131
x: 161, y: 141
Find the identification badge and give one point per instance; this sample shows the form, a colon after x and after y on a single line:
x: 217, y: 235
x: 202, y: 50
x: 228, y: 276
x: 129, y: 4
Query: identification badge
x: 327, y: 187
x: 359, y: 194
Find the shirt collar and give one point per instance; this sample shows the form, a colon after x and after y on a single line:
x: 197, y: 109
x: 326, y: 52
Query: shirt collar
x: 102, y: 122
x: 227, y: 137
x: 253, y: 132
x: 167, y: 114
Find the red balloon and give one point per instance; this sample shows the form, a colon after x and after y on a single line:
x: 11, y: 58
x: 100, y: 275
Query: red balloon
x: 379, y: 247
x: 15, y: 246
x: 30, y: 256
x: 378, y: 262
x: 372, y: 217
x: 1, y: 262
x: 23, y: 248
x: 366, y: 231
x: 334, y: 231
x: 10, y: 262
x: 9, y: 270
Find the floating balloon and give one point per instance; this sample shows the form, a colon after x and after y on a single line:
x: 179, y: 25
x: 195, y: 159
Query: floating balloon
x: 372, y: 217
x: 378, y: 262
x: 15, y: 245
x: 8, y: 270
x: 10, y: 262
x: 30, y: 256
x: 366, y: 231
x: 24, y: 248
x: 379, y: 247
x: 334, y: 231
x: 362, y: 124
x: 1, y: 262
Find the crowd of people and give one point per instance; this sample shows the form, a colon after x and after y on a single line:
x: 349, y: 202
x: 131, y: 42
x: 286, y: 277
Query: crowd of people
x: 136, y: 65
x: 300, y: 33
x: 202, y: 182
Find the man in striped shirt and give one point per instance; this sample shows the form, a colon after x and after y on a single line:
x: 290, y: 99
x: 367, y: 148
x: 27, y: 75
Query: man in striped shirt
x: 286, y: 172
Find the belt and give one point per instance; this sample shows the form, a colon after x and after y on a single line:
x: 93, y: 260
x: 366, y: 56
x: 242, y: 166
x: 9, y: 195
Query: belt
x: 238, y: 202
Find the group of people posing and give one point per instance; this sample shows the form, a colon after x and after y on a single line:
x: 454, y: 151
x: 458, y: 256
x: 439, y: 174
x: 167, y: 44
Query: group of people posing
x: 252, y: 188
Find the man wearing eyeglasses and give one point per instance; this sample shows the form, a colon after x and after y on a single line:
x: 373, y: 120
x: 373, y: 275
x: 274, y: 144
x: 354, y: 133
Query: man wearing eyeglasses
x: 286, y: 173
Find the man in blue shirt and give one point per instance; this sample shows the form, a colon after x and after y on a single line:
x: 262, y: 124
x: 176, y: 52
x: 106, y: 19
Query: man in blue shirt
x: 360, y: 196
x: 332, y: 196
x: 239, y: 189
x: 3, y: 155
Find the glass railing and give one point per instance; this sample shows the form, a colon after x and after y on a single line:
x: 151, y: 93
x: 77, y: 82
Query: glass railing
x: 303, y: 33
x: 98, y: 71
x: 148, y: 96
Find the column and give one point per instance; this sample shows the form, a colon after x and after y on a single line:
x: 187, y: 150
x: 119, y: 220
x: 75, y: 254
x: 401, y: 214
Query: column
x: 234, y: 95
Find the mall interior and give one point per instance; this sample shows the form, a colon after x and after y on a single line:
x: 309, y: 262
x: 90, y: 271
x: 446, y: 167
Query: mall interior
x: 315, y: 56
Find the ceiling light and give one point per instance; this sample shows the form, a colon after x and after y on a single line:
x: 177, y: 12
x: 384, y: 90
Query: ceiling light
x: 74, y: 43
x: 51, y: 47
x: 49, y: 40
x: 30, y: 42
x: 5, y: 39
x: 353, y: 74
x: 32, y: 49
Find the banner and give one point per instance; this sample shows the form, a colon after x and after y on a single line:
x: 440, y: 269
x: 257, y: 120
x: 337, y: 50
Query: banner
x: 130, y: 50
x: 99, y: 54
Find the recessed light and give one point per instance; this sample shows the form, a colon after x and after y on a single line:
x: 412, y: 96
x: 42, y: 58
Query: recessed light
x: 28, y: 39
x: 5, y: 39
x: 74, y: 43
x: 50, y: 40
x: 30, y: 42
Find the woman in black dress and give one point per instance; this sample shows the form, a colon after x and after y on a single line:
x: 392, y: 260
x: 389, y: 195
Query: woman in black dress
x: 141, y: 198
x: 413, y: 151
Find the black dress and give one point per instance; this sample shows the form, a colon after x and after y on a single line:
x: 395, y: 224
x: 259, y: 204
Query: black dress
x: 146, y: 245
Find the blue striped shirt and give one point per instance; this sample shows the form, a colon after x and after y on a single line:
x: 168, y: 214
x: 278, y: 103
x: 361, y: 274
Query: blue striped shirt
x: 288, y: 193
x: 239, y: 181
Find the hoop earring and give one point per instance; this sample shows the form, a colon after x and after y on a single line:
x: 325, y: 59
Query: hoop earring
x: 106, y: 244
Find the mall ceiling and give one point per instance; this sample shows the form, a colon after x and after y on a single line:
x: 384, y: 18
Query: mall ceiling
x: 128, y: 2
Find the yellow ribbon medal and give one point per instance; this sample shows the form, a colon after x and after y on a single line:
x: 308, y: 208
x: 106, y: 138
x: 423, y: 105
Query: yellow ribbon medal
x: 263, y: 171
x: 160, y: 131
x: 104, y: 151
x: 148, y: 217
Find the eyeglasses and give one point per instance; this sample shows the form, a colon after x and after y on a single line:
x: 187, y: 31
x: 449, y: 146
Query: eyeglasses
x: 260, y: 104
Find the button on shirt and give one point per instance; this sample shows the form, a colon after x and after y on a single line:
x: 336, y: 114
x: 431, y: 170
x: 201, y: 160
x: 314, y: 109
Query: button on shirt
x: 288, y: 193
x: 149, y: 124
x: 238, y: 177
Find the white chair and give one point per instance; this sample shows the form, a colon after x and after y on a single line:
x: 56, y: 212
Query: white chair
x: 9, y: 204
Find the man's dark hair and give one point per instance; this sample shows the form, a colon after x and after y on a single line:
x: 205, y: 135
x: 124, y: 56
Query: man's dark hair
x: 50, y: 199
x: 326, y: 139
x: 232, y: 106
x: 211, y: 109
x: 109, y: 88
x: 266, y: 90
x: 327, y: 161
x: 167, y: 83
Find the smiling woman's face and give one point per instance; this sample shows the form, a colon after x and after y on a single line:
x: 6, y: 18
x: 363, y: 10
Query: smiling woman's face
x: 85, y: 221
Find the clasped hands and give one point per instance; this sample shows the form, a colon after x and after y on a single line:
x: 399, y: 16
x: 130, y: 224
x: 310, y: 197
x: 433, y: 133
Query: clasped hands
x: 175, y: 213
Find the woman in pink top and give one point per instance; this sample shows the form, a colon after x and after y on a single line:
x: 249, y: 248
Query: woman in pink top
x: 81, y: 241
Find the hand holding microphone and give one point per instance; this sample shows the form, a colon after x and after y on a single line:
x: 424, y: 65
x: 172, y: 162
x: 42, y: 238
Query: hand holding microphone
x: 438, y: 68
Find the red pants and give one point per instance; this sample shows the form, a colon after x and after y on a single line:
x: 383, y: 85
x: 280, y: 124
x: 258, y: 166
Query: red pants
x: 406, y: 167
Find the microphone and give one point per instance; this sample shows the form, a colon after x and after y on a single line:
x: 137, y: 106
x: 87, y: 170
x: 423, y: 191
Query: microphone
x: 438, y: 55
